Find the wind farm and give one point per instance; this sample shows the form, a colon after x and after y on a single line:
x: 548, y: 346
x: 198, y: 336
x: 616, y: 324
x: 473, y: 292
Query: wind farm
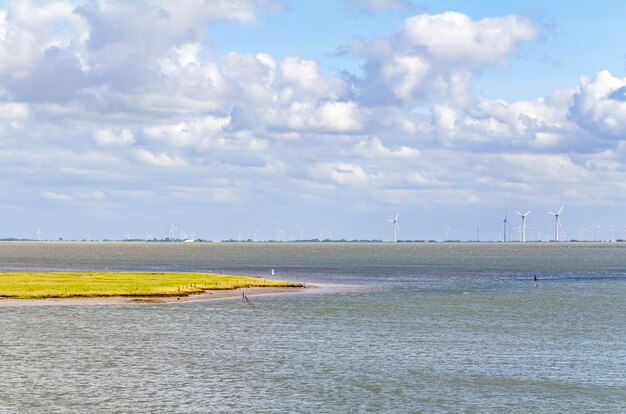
x: 503, y: 232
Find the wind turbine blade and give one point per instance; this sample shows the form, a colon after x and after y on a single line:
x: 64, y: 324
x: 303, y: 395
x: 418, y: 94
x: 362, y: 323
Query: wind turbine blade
x: 519, y: 213
x: 554, y: 214
x: 528, y: 212
x: 561, y: 209
x: 397, y: 215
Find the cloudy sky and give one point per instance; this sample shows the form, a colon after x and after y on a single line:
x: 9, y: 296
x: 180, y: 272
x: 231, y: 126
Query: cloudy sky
x: 229, y: 117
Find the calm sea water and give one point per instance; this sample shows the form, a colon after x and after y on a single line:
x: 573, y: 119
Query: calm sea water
x: 430, y: 328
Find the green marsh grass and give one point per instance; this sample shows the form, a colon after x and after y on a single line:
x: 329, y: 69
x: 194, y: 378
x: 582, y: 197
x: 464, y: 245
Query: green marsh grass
x: 41, y: 285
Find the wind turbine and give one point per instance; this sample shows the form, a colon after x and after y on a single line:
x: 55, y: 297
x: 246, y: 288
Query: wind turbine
x: 38, y: 234
x: 148, y: 236
x: 612, y: 233
x: 505, y: 223
x: 581, y: 235
x: 446, y: 229
x: 598, y: 232
x: 557, y: 223
x: 524, y: 224
x: 127, y: 236
x: 395, y: 227
x: 172, y: 231
x: 279, y: 235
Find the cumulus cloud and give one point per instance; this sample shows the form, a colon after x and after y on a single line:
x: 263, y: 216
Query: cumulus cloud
x: 599, y: 105
x: 318, y: 117
x: 437, y: 55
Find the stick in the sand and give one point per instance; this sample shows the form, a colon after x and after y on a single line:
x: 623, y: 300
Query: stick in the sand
x: 243, y: 295
x: 537, y: 286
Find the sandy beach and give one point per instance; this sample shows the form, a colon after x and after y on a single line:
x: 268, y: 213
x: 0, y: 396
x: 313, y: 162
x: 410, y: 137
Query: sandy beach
x: 121, y: 300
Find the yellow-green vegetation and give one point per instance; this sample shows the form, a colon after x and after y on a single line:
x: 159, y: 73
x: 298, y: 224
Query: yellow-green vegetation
x: 39, y: 285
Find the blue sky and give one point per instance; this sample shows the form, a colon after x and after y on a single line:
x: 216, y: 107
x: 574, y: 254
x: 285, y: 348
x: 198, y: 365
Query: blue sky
x: 230, y: 118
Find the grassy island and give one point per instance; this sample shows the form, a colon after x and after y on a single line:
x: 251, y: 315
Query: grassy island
x: 41, y: 285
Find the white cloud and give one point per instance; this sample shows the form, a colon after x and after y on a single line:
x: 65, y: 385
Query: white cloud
x: 17, y: 47
x: 438, y: 54
x: 340, y: 173
x: 108, y: 138
x: 374, y: 148
x: 454, y: 38
x: 305, y: 76
x: 327, y: 117
x: 51, y: 195
x: 196, y: 133
x: 600, y: 105
x: 407, y: 74
x: 11, y: 111
x: 159, y: 160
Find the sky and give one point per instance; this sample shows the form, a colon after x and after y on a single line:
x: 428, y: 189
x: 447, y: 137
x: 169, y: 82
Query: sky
x: 297, y: 119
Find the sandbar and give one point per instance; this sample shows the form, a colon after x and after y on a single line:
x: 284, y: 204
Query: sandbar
x: 122, y: 300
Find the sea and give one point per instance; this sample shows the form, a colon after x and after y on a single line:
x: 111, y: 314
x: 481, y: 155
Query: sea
x: 381, y: 328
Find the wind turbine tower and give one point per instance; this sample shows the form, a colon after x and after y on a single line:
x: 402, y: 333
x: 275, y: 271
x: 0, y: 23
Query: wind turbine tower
x: 394, y: 222
x: 524, y: 224
x: 505, y: 223
x: 557, y: 223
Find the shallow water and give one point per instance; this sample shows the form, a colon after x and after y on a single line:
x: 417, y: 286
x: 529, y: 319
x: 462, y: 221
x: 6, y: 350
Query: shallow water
x: 444, y: 328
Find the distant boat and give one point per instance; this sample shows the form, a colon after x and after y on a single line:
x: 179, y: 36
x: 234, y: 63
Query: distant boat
x: 189, y: 241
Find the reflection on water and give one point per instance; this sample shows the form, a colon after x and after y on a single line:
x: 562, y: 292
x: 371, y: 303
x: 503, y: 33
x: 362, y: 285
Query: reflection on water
x: 454, y: 328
